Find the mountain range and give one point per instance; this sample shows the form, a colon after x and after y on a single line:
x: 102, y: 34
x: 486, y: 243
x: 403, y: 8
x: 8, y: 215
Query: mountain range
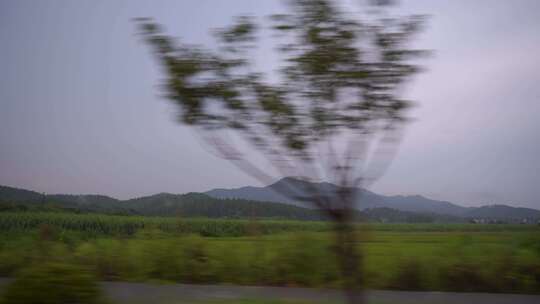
x: 370, y: 200
x: 266, y: 202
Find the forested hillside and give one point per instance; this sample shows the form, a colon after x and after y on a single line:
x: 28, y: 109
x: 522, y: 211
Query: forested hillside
x: 190, y: 205
x: 203, y: 205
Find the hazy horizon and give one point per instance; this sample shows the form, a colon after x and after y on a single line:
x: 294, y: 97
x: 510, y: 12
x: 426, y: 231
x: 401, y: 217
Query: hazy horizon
x: 233, y: 188
x: 81, y: 111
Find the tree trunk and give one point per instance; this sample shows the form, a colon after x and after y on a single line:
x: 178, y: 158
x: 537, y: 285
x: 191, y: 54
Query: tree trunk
x: 350, y: 261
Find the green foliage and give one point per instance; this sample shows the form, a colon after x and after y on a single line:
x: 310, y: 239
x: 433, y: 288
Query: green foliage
x: 54, y: 283
x: 200, y: 205
x: 463, y: 276
x: 408, y: 256
x: 69, y: 227
x: 338, y: 74
x: 409, y: 276
x: 92, y: 225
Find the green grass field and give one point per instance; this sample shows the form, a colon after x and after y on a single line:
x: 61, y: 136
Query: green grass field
x: 458, y: 257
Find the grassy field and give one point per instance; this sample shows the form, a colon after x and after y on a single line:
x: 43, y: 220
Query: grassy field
x: 94, y: 225
x: 459, y: 257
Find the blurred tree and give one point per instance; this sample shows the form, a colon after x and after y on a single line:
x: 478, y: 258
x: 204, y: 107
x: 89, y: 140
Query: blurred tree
x: 335, y: 113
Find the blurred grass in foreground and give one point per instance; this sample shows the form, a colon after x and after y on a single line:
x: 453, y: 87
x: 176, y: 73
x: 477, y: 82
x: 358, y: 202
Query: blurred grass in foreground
x: 485, y: 258
x: 51, y: 283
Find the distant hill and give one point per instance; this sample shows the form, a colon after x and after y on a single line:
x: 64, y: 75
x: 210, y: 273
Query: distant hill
x: 186, y: 205
x: 262, y: 202
x: 271, y: 193
x: 370, y: 200
x: 88, y: 202
x: 202, y: 205
x: 9, y: 194
x: 503, y: 212
x: 163, y: 204
x: 367, y: 199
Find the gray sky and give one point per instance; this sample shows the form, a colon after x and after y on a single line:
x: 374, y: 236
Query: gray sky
x: 80, y: 111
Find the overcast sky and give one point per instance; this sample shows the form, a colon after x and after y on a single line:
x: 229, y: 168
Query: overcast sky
x: 80, y: 110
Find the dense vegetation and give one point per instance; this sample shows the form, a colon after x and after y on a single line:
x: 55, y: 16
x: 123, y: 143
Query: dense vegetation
x: 460, y: 257
x: 115, y: 225
x: 53, y: 282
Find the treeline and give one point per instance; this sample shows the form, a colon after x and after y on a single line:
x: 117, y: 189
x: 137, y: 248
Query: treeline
x: 201, y: 207
x: 169, y: 205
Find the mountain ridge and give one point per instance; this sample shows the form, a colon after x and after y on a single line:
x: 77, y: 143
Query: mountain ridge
x: 243, y: 201
x: 369, y: 200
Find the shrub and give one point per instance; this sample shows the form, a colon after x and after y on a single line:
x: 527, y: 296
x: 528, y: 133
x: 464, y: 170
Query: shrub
x: 409, y: 276
x: 53, y: 283
x: 196, y: 265
x: 462, y: 276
